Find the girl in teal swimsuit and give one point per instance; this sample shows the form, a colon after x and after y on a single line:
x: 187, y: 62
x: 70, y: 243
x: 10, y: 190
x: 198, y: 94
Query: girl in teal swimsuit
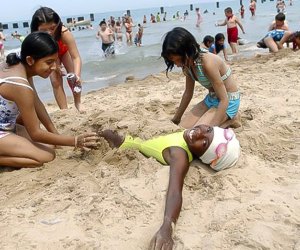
x: 220, y: 106
x: 212, y: 145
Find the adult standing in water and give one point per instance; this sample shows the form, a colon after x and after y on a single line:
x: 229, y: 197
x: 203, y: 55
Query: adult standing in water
x: 199, y: 18
x: 46, y: 19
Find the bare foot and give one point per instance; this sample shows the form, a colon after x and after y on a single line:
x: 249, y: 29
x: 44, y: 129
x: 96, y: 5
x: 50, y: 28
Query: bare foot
x: 235, y: 122
x: 112, y: 137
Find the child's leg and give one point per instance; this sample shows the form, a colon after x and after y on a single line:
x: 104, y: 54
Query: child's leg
x: 113, y: 138
x: 271, y: 44
x: 26, y: 154
x: 233, y: 47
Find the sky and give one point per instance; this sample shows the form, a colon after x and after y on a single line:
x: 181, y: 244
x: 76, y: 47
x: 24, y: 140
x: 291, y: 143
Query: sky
x: 18, y: 10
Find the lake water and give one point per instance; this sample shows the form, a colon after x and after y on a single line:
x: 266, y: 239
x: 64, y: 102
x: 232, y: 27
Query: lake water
x: 99, y: 72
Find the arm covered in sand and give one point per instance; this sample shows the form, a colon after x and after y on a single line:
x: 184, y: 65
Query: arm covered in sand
x: 179, y: 167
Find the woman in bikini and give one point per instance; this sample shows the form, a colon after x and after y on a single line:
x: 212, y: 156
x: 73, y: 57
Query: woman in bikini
x: 29, y: 145
x: 128, y: 26
x: 46, y: 19
x: 118, y: 31
x: 221, y: 104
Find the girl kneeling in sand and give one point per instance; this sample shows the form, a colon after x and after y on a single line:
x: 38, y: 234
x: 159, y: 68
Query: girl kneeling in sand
x: 220, y: 106
x: 212, y: 145
x: 25, y: 146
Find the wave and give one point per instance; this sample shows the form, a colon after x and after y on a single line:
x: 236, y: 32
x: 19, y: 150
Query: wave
x: 98, y: 79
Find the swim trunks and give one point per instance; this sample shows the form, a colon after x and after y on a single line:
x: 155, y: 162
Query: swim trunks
x: 275, y: 34
x: 232, y: 34
x: 108, y: 48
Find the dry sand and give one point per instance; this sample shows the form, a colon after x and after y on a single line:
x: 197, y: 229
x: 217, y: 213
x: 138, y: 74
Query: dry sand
x: 108, y: 199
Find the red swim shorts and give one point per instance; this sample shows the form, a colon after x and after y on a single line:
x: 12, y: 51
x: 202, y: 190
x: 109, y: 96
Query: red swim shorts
x: 232, y: 34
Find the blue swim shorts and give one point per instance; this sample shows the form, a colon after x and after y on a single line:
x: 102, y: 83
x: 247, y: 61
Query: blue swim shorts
x: 275, y: 34
x: 211, y: 100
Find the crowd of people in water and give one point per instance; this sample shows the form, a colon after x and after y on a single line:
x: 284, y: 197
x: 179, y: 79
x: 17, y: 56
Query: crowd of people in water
x: 206, y: 129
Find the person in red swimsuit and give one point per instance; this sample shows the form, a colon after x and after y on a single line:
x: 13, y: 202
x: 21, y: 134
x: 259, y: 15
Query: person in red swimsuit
x: 232, y: 31
x: 46, y: 19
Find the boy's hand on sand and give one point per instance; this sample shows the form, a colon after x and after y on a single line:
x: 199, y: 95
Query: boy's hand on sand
x: 86, y: 141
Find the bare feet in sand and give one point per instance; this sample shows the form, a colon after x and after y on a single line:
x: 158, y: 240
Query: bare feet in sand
x: 112, y: 137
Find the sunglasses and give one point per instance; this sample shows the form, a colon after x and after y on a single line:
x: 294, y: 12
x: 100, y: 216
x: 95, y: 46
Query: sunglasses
x: 222, y: 147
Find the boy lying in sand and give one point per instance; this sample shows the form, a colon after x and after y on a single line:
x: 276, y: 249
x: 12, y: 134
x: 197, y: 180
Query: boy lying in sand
x: 215, y: 146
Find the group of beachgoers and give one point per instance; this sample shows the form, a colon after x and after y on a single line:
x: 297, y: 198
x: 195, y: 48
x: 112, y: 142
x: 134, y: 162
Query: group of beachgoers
x: 111, y: 31
x: 206, y: 130
x: 279, y: 34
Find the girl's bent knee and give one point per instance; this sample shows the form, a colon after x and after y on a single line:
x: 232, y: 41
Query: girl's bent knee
x: 48, y: 157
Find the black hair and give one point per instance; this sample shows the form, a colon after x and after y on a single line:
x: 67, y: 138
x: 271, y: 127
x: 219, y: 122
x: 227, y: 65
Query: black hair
x: 37, y: 45
x: 46, y: 15
x: 229, y: 10
x: 280, y: 17
x: 179, y: 42
x: 208, y: 39
x: 297, y: 34
x: 219, y: 37
x: 102, y: 22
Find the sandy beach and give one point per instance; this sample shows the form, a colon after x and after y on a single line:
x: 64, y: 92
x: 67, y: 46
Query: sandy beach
x: 112, y: 199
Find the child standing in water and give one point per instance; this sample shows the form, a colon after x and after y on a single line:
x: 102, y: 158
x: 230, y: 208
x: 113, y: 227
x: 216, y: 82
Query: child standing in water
x: 242, y: 11
x: 46, y: 19
x: 232, y: 31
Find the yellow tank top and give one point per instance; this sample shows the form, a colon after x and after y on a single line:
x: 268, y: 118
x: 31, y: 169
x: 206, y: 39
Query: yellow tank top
x: 155, y: 147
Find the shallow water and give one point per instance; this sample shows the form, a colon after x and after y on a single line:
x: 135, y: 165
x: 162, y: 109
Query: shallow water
x: 98, y: 71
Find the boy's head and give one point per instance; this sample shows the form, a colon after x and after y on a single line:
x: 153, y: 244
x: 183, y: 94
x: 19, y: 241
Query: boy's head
x: 208, y: 41
x: 228, y: 11
x: 102, y: 25
x: 279, y: 19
